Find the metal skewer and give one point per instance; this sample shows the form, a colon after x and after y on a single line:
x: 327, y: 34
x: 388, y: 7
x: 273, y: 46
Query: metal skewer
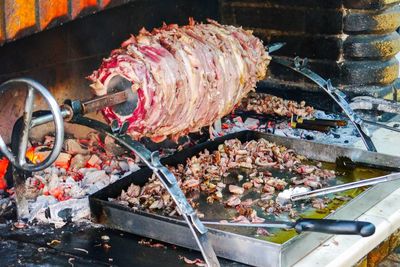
x: 344, y: 187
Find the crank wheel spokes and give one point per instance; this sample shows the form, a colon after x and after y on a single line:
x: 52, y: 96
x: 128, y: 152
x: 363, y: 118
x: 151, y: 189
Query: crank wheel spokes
x: 19, y: 160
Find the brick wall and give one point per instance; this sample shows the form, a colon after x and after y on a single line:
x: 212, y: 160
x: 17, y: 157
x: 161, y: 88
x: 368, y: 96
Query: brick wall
x: 353, y: 42
x: 19, y: 18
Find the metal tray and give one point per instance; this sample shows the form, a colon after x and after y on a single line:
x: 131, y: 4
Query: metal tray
x: 230, y: 245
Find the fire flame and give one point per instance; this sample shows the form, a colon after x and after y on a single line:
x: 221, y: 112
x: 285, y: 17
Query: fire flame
x: 34, y: 157
x: 3, y: 169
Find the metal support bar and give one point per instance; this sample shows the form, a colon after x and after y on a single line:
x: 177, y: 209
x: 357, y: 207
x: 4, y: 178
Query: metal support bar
x: 347, y: 186
x: 300, y: 66
x: 372, y: 103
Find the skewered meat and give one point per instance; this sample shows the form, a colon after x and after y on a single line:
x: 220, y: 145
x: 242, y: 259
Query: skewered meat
x: 185, y: 77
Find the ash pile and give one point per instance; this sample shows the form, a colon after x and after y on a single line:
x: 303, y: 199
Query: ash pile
x: 268, y: 113
x: 59, y: 193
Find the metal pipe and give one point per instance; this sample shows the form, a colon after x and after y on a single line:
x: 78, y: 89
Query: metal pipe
x: 65, y: 113
x: 381, y: 125
x: 87, y: 106
x: 344, y: 187
x: 27, y: 117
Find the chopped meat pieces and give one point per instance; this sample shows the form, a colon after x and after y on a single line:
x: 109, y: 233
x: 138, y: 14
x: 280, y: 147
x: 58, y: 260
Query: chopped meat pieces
x: 268, y: 104
x: 234, y: 189
x: 210, y: 174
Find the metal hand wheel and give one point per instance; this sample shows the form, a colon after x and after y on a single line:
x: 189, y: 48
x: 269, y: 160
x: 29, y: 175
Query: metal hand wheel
x: 19, y: 161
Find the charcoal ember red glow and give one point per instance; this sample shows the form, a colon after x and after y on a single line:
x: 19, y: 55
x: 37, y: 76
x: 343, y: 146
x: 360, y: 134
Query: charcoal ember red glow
x: 3, y: 169
x: 83, y: 167
x: 185, y: 77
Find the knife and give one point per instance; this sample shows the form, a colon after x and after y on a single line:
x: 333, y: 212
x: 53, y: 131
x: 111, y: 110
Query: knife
x: 337, y: 227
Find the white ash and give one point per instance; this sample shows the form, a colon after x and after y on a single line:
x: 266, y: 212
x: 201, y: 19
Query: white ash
x: 343, y: 136
x: 59, y: 213
x: 59, y: 193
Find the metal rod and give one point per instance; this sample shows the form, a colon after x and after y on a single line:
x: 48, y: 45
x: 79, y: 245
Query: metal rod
x: 299, y: 66
x: 87, y: 106
x: 344, y: 187
x: 382, y: 125
x: 49, y: 117
x: 107, y: 100
x: 274, y: 224
x: 27, y: 117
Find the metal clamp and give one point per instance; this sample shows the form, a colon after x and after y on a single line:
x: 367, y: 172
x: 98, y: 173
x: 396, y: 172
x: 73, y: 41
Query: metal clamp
x: 19, y: 161
x: 300, y: 66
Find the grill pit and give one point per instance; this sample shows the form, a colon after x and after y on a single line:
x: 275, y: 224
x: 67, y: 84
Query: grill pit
x: 59, y: 56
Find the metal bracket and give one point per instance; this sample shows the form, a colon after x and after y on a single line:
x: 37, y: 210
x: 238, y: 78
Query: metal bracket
x: 299, y: 65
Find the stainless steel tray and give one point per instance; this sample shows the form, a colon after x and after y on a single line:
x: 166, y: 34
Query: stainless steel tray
x: 230, y: 245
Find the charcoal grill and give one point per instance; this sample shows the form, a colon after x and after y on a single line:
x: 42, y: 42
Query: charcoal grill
x: 231, y: 11
x: 74, y: 111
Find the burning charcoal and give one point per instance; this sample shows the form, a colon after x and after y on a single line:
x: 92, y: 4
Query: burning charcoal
x: 132, y: 165
x: 48, y: 141
x: 123, y: 165
x: 78, y: 161
x: 95, y: 181
x: 236, y: 189
x: 72, y: 147
x: 94, y: 161
x: 63, y: 160
x: 251, y: 123
x: 111, y: 147
x: 78, y: 208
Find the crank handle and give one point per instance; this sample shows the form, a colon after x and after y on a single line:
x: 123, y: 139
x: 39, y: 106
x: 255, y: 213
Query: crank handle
x: 19, y: 160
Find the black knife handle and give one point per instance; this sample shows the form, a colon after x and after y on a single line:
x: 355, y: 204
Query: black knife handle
x: 337, y: 227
